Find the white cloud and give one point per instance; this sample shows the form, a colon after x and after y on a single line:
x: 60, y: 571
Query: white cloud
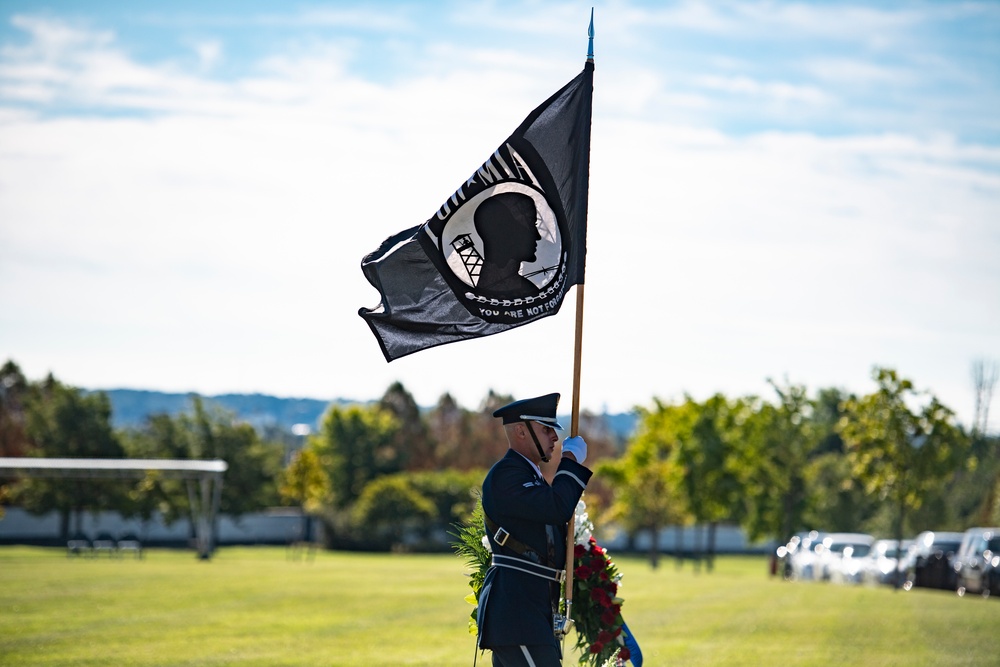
x: 214, y: 243
x: 52, y: 38
x: 777, y: 91
x: 209, y: 53
x: 849, y: 22
x: 855, y: 72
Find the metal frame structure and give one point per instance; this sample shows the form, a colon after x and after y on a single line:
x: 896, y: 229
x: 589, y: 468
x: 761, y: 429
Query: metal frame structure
x: 204, y: 503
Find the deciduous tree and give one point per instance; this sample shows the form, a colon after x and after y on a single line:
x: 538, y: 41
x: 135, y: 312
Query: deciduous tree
x: 709, y: 456
x: 64, y: 422
x: 647, y: 479
x: 357, y: 444
x: 250, y: 481
x: 413, y: 439
x: 306, y: 484
x: 13, y: 395
x: 901, y: 442
x: 778, y: 442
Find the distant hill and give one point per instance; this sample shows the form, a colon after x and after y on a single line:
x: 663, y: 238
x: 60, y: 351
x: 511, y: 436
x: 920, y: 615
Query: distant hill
x: 131, y: 407
x: 622, y: 424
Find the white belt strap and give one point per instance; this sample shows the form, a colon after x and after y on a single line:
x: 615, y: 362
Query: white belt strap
x: 526, y: 566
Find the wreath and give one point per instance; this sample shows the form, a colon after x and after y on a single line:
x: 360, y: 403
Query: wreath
x: 596, y: 610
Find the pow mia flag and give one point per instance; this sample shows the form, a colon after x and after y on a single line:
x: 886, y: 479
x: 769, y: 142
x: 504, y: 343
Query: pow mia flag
x: 503, y: 250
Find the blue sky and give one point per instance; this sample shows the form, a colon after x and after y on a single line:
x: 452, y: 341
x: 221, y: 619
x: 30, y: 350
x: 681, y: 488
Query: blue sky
x: 778, y: 189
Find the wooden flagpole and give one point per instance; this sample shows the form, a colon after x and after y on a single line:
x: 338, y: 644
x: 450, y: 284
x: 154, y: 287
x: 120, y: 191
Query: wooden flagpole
x: 574, y: 428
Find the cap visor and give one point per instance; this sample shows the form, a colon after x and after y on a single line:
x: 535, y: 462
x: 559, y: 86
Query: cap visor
x: 552, y: 423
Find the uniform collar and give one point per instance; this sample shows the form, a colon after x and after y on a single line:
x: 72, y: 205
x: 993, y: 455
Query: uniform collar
x: 538, y: 471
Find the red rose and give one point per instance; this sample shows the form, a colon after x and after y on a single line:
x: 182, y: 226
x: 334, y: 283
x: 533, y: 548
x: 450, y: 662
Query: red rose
x: 603, y: 637
x: 606, y: 601
x: 604, y: 575
x: 578, y: 551
x: 617, y: 608
x: 596, y: 647
x: 582, y: 572
x: 608, y: 617
x: 624, y: 654
x: 597, y: 550
x: 598, y: 594
x: 617, y: 631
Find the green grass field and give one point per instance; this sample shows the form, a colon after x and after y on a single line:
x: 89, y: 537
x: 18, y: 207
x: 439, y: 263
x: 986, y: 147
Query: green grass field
x: 256, y: 606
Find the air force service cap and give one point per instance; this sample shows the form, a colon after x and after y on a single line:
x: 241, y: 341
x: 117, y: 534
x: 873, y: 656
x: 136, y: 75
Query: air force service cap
x: 541, y: 409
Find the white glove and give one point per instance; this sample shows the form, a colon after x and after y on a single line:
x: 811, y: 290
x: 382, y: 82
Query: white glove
x: 576, y: 446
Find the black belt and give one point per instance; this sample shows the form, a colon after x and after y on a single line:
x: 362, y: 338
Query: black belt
x: 530, y: 561
x: 506, y: 540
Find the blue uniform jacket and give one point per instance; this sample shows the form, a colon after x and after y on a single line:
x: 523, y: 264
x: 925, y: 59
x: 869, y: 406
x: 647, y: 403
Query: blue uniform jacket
x: 515, y: 607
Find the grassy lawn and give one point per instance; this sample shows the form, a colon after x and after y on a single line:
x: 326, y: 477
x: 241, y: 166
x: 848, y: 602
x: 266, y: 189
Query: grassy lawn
x: 255, y: 606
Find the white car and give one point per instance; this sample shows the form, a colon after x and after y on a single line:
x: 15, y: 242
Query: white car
x: 830, y: 552
x: 849, y: 568
x: 882, y: 564
x: 802, y: 555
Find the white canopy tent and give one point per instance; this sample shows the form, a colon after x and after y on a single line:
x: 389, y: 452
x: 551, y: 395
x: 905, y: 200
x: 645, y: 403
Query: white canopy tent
x: 207, y: 473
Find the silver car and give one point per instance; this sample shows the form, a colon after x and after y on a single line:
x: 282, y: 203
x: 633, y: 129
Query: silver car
x: 976, y: 558
x: 830, y: 552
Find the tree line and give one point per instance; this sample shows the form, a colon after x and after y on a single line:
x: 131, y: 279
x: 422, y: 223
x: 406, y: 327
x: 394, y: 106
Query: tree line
x: 891, y: 462
x: 390, y: 475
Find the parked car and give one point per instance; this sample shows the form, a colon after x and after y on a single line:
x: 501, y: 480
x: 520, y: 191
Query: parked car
x: 977, y: 558
x: 882, y: 565
x: 830, y: 552
x: 928, y: 563
x: 991, y: 579
x: 801, y: 555
x: 849, y: 569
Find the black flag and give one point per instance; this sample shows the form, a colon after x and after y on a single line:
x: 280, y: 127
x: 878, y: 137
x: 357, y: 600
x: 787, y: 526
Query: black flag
x: 503, y: 250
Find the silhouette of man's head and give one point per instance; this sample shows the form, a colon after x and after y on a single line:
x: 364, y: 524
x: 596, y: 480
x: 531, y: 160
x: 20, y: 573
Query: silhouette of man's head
x: 507, y: 225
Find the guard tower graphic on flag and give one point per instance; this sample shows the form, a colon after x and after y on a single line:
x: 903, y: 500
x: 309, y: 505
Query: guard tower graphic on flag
x: 473, y: 261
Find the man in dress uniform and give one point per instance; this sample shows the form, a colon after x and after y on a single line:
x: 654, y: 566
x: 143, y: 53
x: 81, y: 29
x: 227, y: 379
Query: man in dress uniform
x: 526, y: 524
